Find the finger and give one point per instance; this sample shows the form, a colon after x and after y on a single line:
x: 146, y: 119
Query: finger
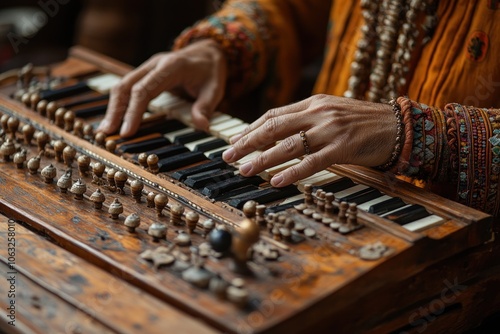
x: 271, y: 114
x: 204, y: 106
x: 273, y: 130
x: 288, y: 149
x: 142, y: 92
x: 119, y: 98
x: 309, y: 165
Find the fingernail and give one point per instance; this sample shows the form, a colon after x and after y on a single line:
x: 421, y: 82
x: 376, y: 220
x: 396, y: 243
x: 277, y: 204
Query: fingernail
x: 246, y: 168
x: 103, y: 125
x: 125, y: 128
x: 228, y: 154
x: 235, y: 138
x: 277, y: 180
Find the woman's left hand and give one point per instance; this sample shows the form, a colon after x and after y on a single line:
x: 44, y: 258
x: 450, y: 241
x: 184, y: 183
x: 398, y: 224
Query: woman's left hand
x: 337, y: 131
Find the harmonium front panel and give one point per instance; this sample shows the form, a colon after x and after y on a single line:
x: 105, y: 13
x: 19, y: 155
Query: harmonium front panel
x: 163, y: 211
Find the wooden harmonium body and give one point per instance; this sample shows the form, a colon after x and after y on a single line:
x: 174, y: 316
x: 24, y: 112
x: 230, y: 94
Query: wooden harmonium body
x: 156, y: 232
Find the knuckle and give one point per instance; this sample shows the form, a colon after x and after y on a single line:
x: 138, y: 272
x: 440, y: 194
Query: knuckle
x: 310, y: 162
x: 272, y: 113
x: 293, y: 172
x: 271, y: 125
x: 138, y: 92
x: 243, y: 144
x: 261, y: 160
x: 120, y: 88
x: 289, y: 145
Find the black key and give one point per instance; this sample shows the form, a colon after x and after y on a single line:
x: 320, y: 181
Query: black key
x: 336, y: 186
x: 216, y: 155
x: 407, y: 215
x: 144, y: 146
x: 210, y: 145
x: 171, y: 125
x: 180, y: 160
x: 86, y: 100
x: 263, y: 196
x: 162, y: 126
x: 362, y: 196
x: 182, y: 174
x: 190, y: 137
x: 92, y: 111
x: 386, y: 206
x: 238, y: 181
x: 283, y: 207
x: 203, y: 179
x: 166, y: 151
x: 236, y: 192
x: 59, y: 93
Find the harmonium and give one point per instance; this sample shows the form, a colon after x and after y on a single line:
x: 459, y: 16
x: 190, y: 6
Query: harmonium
x: 156, y: 234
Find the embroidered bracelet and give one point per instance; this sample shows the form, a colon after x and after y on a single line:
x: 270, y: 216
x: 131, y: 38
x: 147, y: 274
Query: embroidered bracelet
x: 399, y: 136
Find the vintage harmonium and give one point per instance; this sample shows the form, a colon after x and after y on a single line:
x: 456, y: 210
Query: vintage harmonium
x: 157, y: 234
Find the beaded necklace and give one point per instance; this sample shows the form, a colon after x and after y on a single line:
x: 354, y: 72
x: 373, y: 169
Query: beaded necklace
x: 388, y: 43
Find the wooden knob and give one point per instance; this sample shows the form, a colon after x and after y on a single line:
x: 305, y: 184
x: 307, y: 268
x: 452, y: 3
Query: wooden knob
x: 83, y: 162
x: 120, y: 180
x: 115, y: 209
x: 41, y: 140
x: 69, y: 120
x: 28, y: 133
x: 97, y: 198
x: 41, y: 107
x: 69, y: 154
x: 100, y: 138
x: 160, y: 201
x: 136, y: 187
x: 59, y: 117
x: 51, y: 110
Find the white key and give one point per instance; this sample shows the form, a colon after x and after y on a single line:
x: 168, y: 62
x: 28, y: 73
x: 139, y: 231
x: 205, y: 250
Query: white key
x: 366, y: 206
x: 228, y: 133
x: 247, y: 158
x: 165, y: 102
x: 216, y: 128
x: 103, y: 83
x: 182, y: 112
x: 423, y: 223
x: 192, y: 145
x: 219, y: 118
x: 207, y: 153
x: 318, y: 179
x: 171, y: 135
x: 350, y: 191
x: 270, y: 172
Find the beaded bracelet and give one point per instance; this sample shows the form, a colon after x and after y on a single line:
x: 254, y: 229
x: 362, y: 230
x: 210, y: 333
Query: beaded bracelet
x: 403, y: 162
x: 399, y: 136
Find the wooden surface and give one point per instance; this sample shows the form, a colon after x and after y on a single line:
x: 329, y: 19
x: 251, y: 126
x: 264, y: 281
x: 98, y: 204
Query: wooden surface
x: 319, y: 283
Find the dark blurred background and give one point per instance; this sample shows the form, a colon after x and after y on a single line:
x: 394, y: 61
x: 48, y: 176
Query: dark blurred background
x: 41, y: 31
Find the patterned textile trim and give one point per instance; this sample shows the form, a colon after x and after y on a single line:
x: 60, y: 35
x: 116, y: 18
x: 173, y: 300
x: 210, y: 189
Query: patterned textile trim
x: 241, y: 30
x: 475, y: 139
x: 429, y: 149
x: 492, y: 124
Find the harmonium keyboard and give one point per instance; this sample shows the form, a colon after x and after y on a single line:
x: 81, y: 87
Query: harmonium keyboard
x: 155, y: 233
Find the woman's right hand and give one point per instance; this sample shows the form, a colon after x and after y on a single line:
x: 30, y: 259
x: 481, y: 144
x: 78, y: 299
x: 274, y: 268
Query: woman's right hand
x: 199, y: 70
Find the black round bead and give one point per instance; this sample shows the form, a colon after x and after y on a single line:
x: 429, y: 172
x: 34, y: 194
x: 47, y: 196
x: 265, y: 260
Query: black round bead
x: 220, y: 240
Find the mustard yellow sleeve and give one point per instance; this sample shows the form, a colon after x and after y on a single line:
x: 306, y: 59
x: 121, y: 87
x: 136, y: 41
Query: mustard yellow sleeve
x: 266, y: 42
